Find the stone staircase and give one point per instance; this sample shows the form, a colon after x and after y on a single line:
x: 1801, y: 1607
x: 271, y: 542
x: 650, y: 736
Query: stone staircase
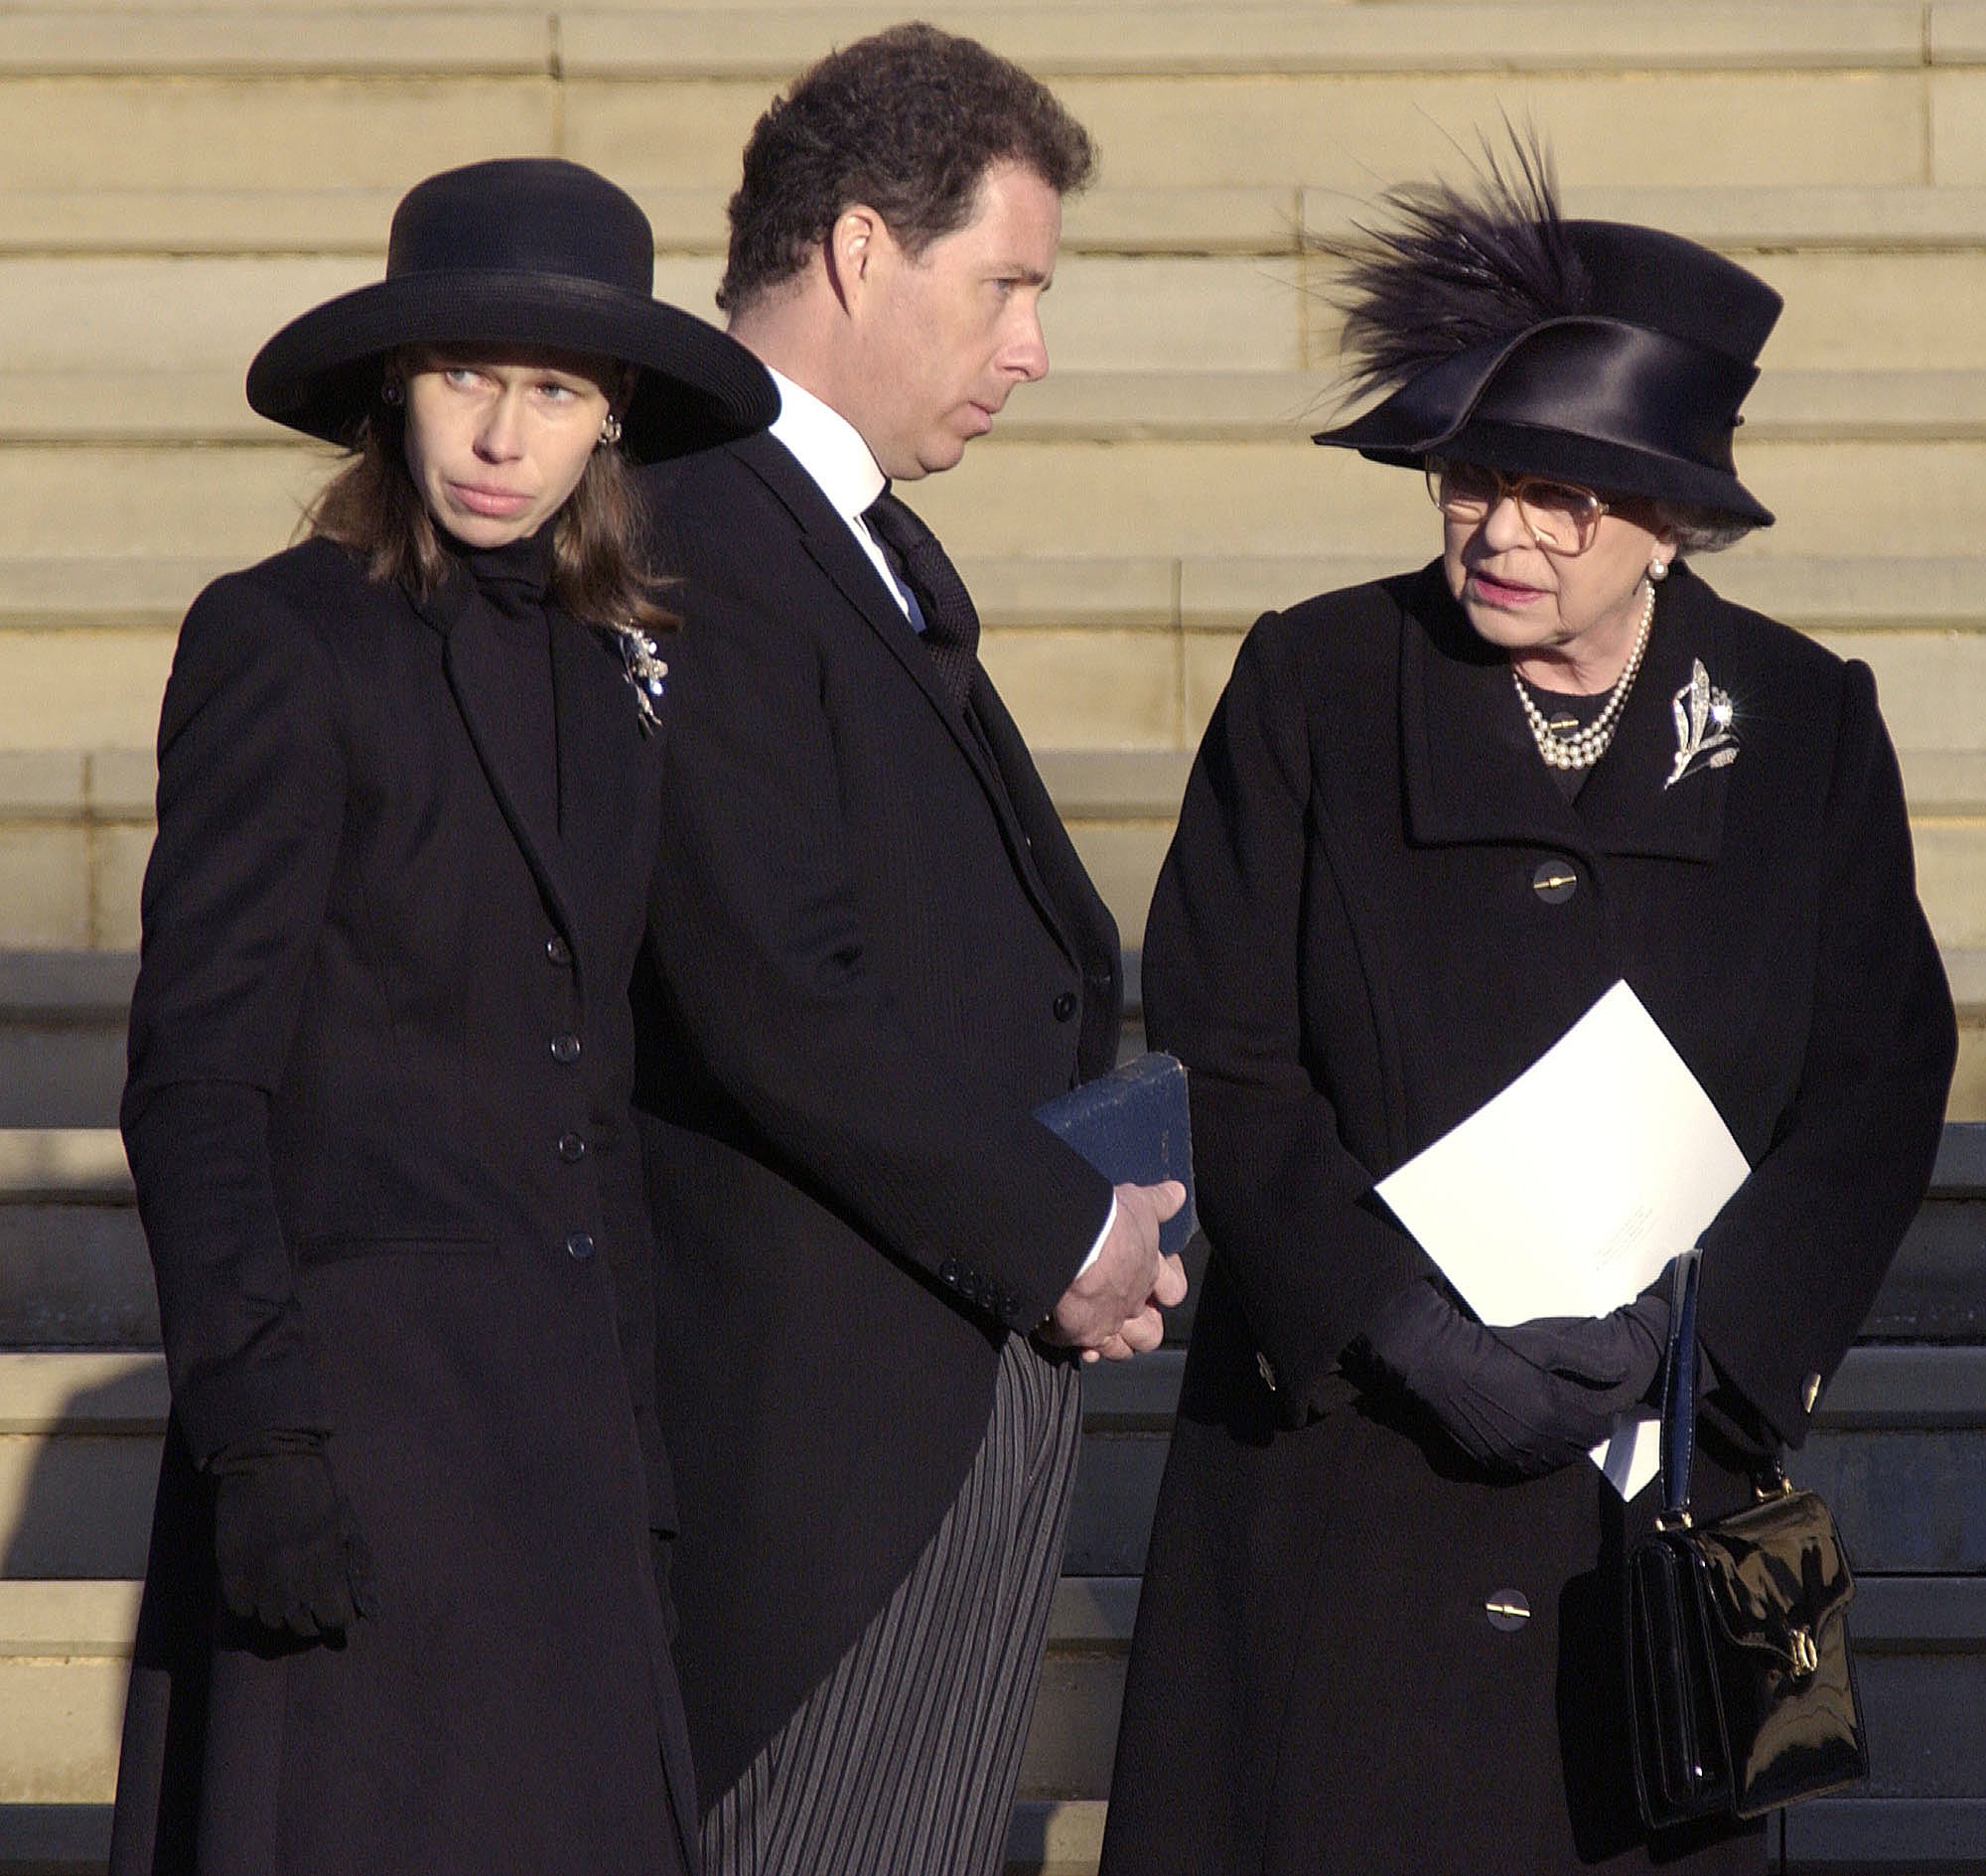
x: 182, y: 176
x: 1134, y: 513
x: 1900, y: 1450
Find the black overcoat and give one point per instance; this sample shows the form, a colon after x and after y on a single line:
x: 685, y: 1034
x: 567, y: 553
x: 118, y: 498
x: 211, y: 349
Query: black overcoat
x: 1347, y: 948
x: 876, y: 957
x: 381, y: 1057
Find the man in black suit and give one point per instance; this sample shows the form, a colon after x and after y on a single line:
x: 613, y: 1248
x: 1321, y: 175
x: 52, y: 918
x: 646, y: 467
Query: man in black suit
x: 876, y: 955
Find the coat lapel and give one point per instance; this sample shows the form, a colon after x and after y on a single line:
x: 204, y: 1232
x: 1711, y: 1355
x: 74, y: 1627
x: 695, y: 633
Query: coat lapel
x: 834, y: 551
x: 1630, y: 805
x: 1472, y: 773
x: 481, y: 691
x: 601, y: 753
x: 833, y: 548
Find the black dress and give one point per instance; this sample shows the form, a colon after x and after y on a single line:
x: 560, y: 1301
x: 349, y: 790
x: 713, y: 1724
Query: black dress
x: 1353, y: 947
x: 381, y: 1056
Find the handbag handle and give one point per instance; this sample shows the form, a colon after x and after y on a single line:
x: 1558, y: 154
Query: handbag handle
x: 1680, y: 1390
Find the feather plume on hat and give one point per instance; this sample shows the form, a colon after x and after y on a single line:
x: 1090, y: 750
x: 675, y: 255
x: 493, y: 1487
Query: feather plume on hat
x: 1456, y: 270
x: 1599, y: 353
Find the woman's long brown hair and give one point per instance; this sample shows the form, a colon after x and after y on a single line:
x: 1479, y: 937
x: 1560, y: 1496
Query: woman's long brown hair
x: 600, y: 538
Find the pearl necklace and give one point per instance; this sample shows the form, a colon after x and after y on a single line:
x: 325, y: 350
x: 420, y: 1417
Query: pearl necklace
x: 1585, y: 749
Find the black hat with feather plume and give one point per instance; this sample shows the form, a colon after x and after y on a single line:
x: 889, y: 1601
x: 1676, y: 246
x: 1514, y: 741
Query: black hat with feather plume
x: 1598, y: 352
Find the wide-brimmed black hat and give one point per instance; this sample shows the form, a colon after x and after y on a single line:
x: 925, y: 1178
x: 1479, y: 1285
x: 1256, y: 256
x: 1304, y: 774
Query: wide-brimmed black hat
x: 530, y: 251
x: 1621, y: 368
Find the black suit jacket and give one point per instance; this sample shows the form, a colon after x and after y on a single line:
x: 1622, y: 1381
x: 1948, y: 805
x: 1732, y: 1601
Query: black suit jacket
x: 376, y: 1117
x: 878, y: 952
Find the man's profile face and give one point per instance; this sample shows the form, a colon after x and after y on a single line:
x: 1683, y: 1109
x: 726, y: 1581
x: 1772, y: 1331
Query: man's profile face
x: 949, y: 333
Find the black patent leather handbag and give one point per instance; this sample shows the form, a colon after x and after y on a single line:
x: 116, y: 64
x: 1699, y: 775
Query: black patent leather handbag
x: 1739, y: 1668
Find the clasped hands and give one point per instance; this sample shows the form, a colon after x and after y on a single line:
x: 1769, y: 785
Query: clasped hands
x: 1523, y: 1399
x: 1111, y: 1311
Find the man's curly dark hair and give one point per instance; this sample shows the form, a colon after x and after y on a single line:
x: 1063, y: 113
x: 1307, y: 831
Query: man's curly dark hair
x: 907, y: 121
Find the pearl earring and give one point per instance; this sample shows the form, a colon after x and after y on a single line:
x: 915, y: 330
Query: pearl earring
x: 393, y: 392
x: 1658, y: 568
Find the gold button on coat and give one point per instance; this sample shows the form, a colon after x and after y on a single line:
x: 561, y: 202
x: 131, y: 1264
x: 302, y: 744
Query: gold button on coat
x: 1555, y: 882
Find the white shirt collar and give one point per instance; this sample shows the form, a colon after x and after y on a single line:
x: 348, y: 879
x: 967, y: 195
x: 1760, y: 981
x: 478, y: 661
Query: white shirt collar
x: 829, y: 448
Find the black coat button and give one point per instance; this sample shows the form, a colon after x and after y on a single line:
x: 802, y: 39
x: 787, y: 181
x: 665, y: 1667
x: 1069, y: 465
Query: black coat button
x: 558, y: 952
x: 579, y: 1247
x: 1555, y: 882
x: 1065, y: 1006
x: 571, y: 1147
x: 948, y: 1271
x: 565, y: 1046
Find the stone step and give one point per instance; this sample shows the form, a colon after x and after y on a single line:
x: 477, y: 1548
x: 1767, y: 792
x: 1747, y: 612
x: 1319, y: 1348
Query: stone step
x: 1213, y: 499
x: 118, y: 322
x: 63, y: 1014
x: 66, y: 1646
x: 118, y: 614
x: 1109, y: 650
x: 75, y: 885
x: 674, y: 42
x: 847, y: 16
x: 64, y: 1649
x: 63, y: 1018
x: 1128, y: 656
x: 90, y: 337
x: 1898, y: 1450
x: 1137, y: 498
x: 1783, y: 94
x: 1869, y: 224
x: 1826, y: 1837
x: 74, y: 1272
x: 1046, y: 1838
x: 1902, y: 1439
x: 1114, y: 399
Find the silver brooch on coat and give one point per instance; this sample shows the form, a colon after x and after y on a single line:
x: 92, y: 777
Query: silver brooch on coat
x: 1703, y: 718
x: 646, y: 671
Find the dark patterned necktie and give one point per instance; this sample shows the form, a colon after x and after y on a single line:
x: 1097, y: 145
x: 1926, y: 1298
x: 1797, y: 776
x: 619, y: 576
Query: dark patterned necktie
x: 951, y: 624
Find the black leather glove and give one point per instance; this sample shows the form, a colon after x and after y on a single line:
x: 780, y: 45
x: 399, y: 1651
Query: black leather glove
x: 1524, y: 1401
x: 288, y: 1545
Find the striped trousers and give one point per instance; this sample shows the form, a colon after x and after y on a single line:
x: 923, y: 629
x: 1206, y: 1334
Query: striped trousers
x: 903, y: 1761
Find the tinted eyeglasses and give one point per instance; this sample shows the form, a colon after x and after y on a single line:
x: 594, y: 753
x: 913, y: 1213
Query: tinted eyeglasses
x: 1563, y: 517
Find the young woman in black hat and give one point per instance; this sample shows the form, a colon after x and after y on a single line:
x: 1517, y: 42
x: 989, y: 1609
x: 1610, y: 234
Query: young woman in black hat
x: 1432, y: 819
x: 400, y: 1612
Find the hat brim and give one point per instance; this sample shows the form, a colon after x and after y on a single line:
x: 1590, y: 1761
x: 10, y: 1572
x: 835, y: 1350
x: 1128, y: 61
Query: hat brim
x: 698, y: 387
x: 1663, y: 435
x: 1608, y: 468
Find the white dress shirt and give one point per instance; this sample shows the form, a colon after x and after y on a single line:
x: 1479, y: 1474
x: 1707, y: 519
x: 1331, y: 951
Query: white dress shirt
x: 831, y: 451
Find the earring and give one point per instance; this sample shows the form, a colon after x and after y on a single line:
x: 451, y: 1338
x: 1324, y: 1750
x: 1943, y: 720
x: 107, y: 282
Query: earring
x: 393, y: 392
x: 1658, y: 568
x: 610, y: 431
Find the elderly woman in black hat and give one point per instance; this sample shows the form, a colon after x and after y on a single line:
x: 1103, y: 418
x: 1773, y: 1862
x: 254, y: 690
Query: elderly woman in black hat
x: 1433, y: 820
x: 401, y: 1612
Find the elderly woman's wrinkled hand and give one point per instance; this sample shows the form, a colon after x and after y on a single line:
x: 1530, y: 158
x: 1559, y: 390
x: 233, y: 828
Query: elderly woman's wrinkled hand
x: 1523, y: 1401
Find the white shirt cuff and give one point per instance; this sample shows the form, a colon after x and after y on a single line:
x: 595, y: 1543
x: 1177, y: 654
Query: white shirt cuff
x: 1096, y: 1250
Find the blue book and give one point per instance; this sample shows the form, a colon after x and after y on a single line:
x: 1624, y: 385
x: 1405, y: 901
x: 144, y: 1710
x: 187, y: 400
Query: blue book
x: 1132, y: 1126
